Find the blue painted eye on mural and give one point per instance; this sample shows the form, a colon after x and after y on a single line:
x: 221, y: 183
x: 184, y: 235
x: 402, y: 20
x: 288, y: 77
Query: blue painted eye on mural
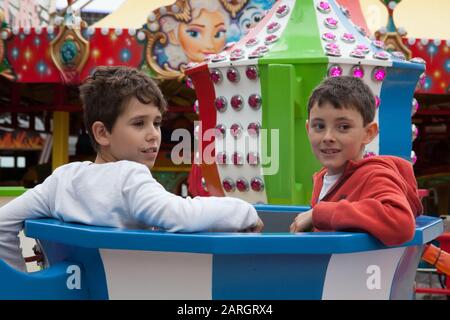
x: 211, y: 25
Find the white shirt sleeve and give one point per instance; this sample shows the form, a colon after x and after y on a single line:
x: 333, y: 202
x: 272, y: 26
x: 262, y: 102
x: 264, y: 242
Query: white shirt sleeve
x: 31, y: 205
x: 152, y: 205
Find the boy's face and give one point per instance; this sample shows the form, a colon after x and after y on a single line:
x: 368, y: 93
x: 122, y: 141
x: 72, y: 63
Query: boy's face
x: 338, y: 135
x: 136, y: 134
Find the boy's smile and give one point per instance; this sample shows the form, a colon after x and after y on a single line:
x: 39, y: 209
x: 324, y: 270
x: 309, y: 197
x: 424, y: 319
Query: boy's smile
x: 338, y: 135
x: 135, y: 136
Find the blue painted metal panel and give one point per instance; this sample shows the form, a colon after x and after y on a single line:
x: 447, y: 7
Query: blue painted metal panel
x: 396, y: 97
x: 47, y: 284
x: 269, y: 276
x: 217, y: 243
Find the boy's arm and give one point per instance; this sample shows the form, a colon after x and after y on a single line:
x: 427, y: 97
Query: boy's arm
x: 32, y: 204
x: 383, y: 211
x: 151, y: 204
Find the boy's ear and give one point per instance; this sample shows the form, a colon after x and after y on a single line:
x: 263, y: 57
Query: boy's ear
x: 101, y: 134
x: 371, y: 132
x: 307, y: 125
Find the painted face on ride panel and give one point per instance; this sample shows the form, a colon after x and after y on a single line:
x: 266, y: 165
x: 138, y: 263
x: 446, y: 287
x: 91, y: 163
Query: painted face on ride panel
x: 338, y: 135
x: 203, y: 36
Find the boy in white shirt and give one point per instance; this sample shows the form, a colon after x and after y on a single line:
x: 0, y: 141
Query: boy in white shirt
x: 123, y: 112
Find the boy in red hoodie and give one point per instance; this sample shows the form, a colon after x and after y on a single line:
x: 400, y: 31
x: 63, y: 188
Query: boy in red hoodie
x: 378, y: 194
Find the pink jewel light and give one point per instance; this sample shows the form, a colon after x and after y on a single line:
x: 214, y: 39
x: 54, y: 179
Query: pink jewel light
x: 422, y: 79
x: 381, y: 55
x: 251, y: 72
x: 377, y: 102
x: 333, y: 52
x: 328, y: 36
x: 335, y: 71
x: 242, y: 184
x: 348, y: 38
x: 218, y: 58
x: 237, y: 102
x: 331, y: 23
x: 324, y: 7
x: 254, y: 101
x: 413, y: 157
x: 251, y: 42
x: 257, y: 184
x: 253, y: 158
x: 221, y: 104
x: 255, y: 54
x: 272, y: 27
x: 216, y: 76
x: 220, y: 131
x: 233, y: 75
x: 414, y: 106
x: 331, y: 46
x: 221, y: 158
x: 358, y: 72
x: 189, y: 83
x: 236, y: 130
x: 237, y: 159
x: 378, y: 43
x: 415, y: 132
x: 378, y: 74
x: 282, y: 11
x: 271, y: 39
x: 228, y: 185
x: 235, y: 57
x: 263, y: 49
x: 253, y: 129
x: 363, y: 48
x: 357, y: 54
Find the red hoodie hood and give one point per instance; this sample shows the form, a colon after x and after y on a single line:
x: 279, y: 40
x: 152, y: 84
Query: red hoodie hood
x: 398, y: 165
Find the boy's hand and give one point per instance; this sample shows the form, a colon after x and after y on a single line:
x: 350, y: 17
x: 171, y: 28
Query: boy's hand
x: 257, y: 227
x: 302, y: 222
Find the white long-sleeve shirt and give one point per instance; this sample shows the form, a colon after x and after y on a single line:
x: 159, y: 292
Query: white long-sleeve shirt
x: 119, y: 194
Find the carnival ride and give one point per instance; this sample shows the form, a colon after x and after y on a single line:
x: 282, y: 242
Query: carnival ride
x: 257, y: 85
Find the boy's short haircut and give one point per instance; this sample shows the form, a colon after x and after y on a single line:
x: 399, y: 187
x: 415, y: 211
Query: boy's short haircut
x: 345, y: 92
x: 106, y: 92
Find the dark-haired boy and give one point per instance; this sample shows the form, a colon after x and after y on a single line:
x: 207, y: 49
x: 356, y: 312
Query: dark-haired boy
x: 378, y: 194
x: 123, y: 112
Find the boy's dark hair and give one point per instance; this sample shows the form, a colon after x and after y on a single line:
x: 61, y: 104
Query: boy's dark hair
x: 105, y: 93
x: 345, y: 92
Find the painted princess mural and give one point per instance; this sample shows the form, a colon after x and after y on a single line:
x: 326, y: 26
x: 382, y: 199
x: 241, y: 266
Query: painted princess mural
x: 191, y: 30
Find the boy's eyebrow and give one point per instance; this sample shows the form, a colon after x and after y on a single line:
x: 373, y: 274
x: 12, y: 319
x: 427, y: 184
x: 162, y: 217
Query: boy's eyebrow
x: 196, y: 25
x: 219, y: 24
x: 344, y: 118
x: 143, y: 116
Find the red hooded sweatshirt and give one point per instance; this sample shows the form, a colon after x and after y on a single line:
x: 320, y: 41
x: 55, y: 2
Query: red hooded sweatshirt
x: 377, y: 195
